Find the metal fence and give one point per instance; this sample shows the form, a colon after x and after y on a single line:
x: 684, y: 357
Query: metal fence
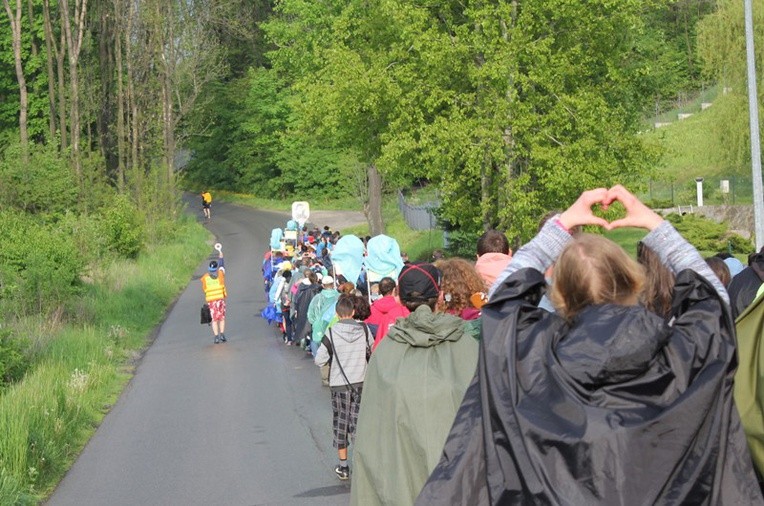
x: 717, y: 190
x: 418, y: 217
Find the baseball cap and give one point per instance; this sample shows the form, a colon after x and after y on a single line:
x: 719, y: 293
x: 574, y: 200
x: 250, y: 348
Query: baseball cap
x: 327, y: 280
x: 418, y: 282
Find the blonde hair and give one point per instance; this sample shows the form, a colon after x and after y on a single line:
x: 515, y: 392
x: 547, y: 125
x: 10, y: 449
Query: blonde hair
x: 595, y: 270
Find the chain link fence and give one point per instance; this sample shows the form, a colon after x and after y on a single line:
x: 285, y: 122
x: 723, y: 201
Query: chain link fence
x: 717, y: 190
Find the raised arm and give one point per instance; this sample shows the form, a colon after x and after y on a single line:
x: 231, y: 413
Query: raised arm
x: 675, y: 252
x: 543, y: 250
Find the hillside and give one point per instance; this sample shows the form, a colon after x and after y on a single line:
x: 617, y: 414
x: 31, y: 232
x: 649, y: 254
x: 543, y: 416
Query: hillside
x: 696, y: 147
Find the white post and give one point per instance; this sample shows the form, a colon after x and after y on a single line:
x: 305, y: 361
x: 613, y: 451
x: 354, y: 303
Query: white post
x: 699, y: 188
x: 753, y: 119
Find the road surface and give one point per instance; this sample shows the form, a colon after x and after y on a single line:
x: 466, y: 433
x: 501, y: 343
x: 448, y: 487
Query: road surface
x: 241, y: 423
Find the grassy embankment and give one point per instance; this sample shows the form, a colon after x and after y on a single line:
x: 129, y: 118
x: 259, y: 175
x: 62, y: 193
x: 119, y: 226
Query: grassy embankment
x: 690, y: 149
x: 81, y: 367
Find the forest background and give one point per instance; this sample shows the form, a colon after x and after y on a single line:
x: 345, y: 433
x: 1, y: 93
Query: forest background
x: 501, y: 109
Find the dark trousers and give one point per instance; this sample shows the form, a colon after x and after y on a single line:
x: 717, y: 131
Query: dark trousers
x: 288, y: 327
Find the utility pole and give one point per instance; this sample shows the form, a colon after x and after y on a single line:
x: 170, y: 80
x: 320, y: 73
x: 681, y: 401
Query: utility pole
x: 753, y: 118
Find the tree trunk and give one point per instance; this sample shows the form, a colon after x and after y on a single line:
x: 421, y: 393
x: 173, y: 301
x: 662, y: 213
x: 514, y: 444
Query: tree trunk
x: 107, y: 105
x: 133, y: 105
x: 487, y: 197
x: 167, y: 55
x: 374, y: 215
x: 118, y: 12
x: 15, y: 21
x: 32, y: 32
x: 50, y: 49
x: 63, y: 121
x: 74, y: 44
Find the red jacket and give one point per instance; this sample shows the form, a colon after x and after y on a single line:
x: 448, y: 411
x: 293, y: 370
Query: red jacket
x: 384, y: 313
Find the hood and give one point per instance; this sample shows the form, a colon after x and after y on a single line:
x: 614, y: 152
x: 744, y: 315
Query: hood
x: 386, y: 304
x: 490, y: 265
x: 628, y: 339
x: 757, y: 264
x: 424, y: 328
x: 348, y: 330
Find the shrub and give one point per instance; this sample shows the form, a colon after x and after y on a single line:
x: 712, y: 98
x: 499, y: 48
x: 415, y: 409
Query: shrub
x: 44, y: 183
x: 123, y: 227
x: 40, y: 264
x: 707, y: 235
x: 86, y: 232
x: 14, y: 359
x: 462, y: 244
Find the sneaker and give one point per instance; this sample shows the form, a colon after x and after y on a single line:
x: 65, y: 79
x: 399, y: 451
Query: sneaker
x: 217, y: 339
x: 222, y: 338
x: 342, y: 473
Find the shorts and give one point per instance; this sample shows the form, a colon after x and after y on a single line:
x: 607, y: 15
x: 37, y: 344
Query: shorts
x: 206, y: 205
x: 345, y: 406
x: 217, y: 308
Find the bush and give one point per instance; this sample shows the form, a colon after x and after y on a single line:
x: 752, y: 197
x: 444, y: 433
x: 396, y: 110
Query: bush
x: 14, y: 359
x: 707, y: 235
x: 41, y: 266
x: 87, y: 235
x: 123, y: 227
x: 462, y: 244
x: 43, y: 184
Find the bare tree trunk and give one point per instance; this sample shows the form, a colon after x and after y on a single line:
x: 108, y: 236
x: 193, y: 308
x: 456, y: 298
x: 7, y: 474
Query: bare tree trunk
x: 15, y: 21
x: 74, y: 44
x: 166, y: 51
x: 63, y: 121
x: 133, y: 104
x: 107, y: 106
x: 50, y: 50
x: 118, y: 14
x: 374, y: 215
x: 487, y: 197
x: 32, y: 32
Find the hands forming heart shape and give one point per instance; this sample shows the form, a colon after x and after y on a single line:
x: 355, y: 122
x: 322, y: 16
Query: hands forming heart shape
x: 637, y: 214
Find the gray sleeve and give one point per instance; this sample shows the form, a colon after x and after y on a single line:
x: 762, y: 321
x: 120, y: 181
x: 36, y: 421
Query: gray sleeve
x: 322, y: 355
x: 677, y: 254
x: 539, y: 253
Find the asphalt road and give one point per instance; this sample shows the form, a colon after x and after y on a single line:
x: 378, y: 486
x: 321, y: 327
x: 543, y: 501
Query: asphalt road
x: 241, y: 423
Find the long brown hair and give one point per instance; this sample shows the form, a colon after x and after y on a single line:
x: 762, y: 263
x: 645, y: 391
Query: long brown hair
x: 594, y: 270
x: 659, y: 282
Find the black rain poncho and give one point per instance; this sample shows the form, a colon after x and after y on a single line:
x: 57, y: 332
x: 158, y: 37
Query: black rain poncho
x: 617, y: 408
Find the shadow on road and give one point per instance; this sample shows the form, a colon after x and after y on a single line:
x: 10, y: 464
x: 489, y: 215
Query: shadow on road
x: 326, y: 491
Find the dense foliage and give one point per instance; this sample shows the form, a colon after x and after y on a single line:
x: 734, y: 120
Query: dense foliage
x: 707, y: 235
x: 507, y: 108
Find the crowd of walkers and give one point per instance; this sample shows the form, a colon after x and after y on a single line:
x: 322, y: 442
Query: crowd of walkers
x: 565, y: 373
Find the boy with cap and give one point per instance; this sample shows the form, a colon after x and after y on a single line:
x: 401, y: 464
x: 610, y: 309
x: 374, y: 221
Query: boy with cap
x: 213, y: 285
x: 414, y: 385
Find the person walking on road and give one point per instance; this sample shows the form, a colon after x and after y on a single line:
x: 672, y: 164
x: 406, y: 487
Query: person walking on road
x: 206, y: 203
x: 344, y: 347
x: 213, y: 285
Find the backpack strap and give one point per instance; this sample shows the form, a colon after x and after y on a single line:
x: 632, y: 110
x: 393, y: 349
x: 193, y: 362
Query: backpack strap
x: 366, y: 337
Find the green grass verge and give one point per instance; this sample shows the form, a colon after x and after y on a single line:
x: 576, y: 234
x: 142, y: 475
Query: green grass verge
x: 285, y: 205
x: 46, y: 419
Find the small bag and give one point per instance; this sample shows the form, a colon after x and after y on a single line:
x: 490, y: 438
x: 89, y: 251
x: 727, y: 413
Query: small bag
x: 206, y: 314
